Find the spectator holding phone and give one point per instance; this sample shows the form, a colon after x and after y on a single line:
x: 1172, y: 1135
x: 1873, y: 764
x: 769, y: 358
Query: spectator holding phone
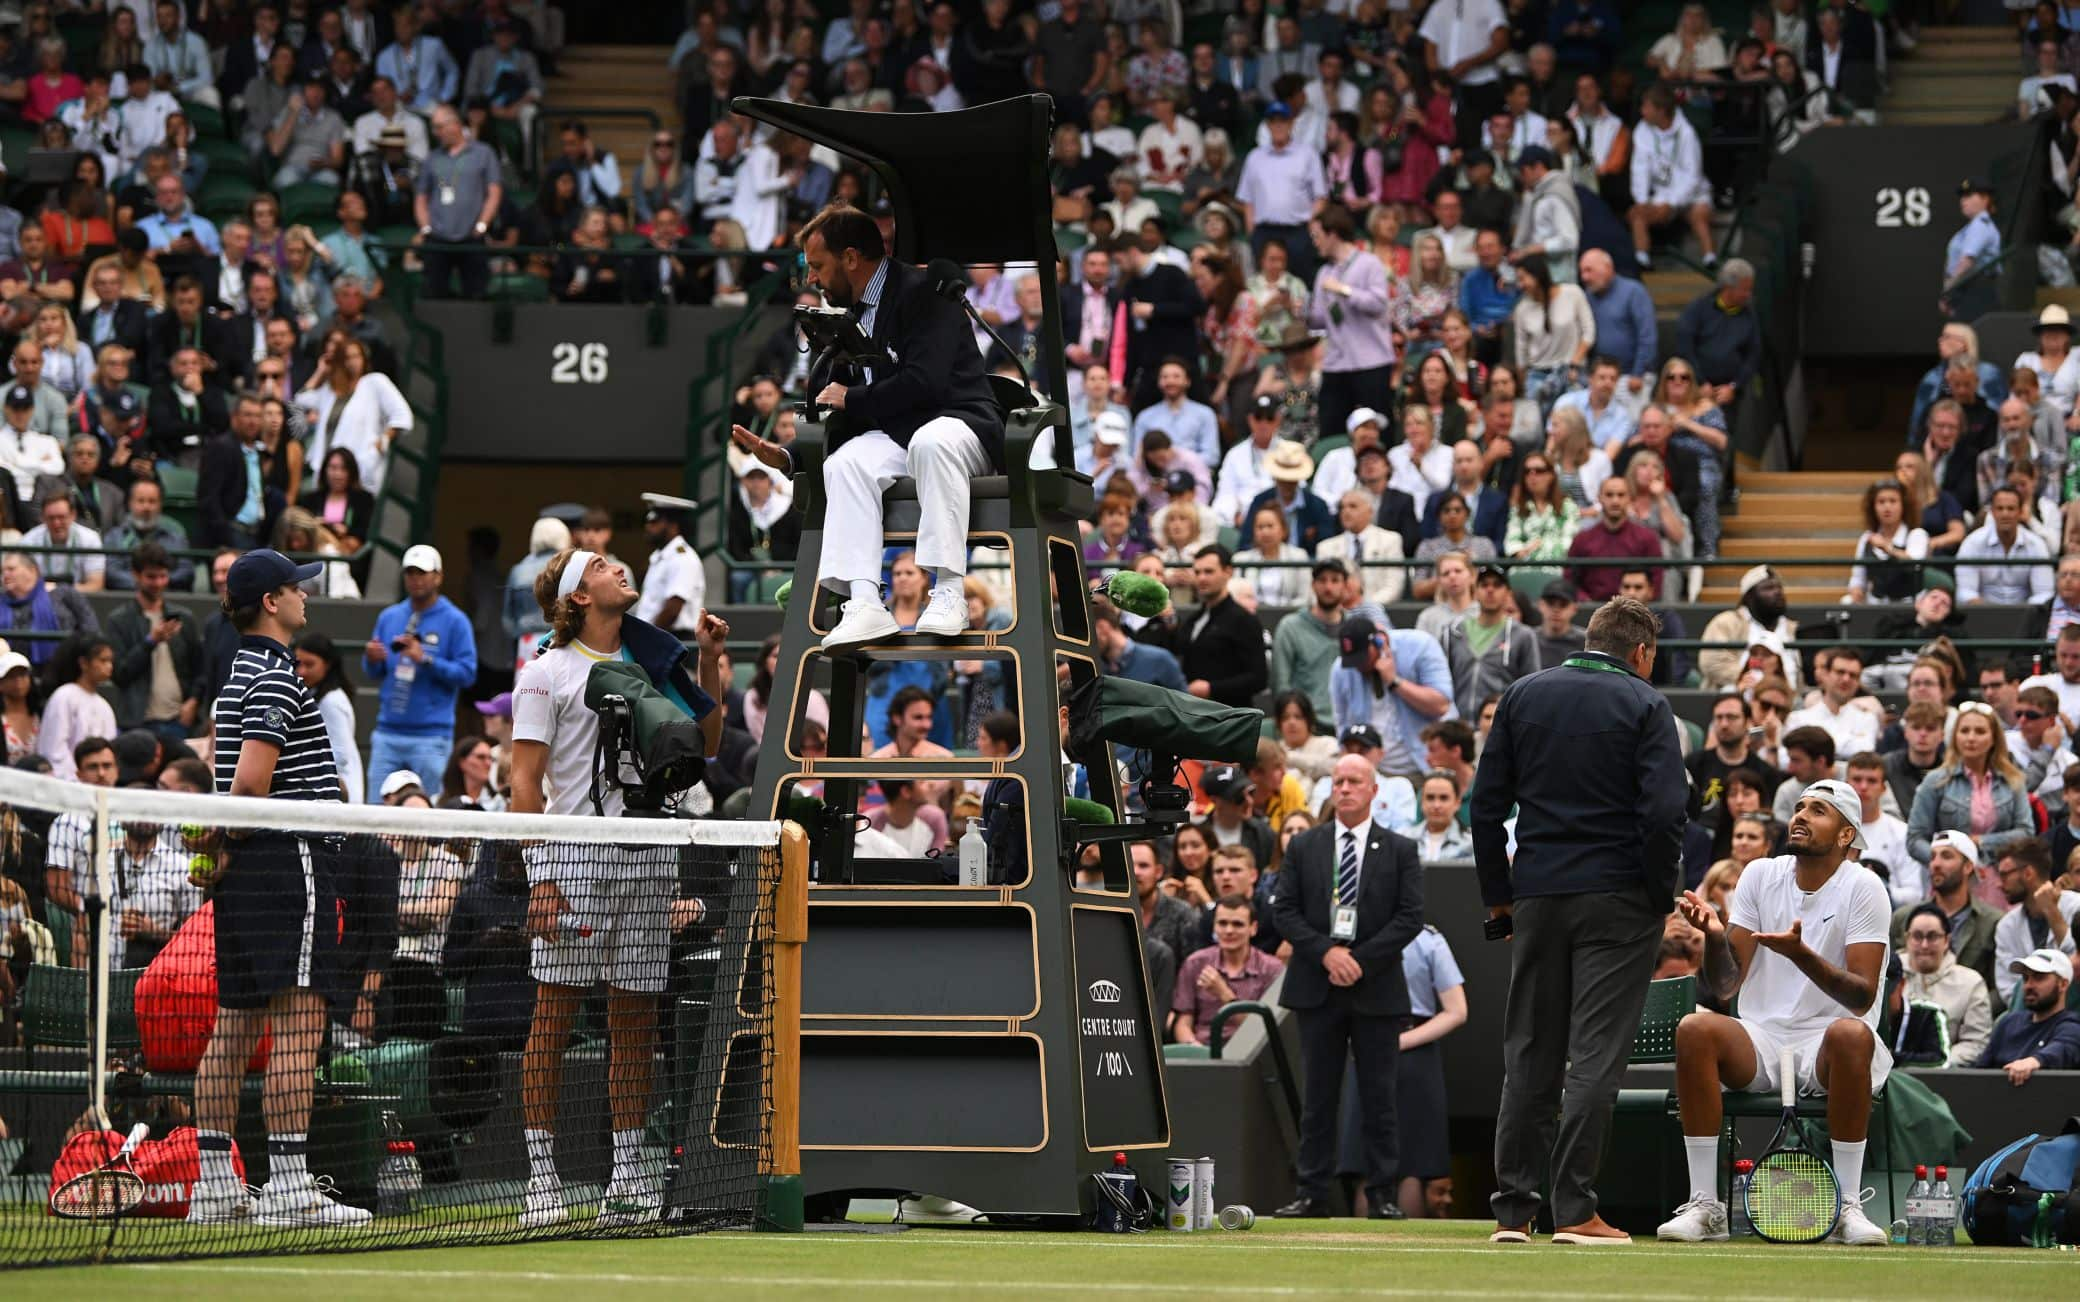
x: 158, y: 654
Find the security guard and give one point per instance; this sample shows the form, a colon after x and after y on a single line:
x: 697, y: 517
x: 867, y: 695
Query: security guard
x: 1977, y: 243
x: 674, y: 586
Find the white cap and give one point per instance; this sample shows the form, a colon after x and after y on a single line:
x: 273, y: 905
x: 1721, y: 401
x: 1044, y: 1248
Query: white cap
x: 401, y: 780
x: 1363, y: 416
x: 1845, y: 801
x: 422, y: 557
x: 1111, y: 427
x: 1755, y: 575
x: 2052, y: 962
x: 1959, y: 842
x: 11, y: 661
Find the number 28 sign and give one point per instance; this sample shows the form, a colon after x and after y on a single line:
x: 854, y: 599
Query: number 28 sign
x: 1897, y: 207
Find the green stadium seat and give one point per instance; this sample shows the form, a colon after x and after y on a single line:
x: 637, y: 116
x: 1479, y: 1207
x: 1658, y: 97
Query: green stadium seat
x: 518, y: 289
x: 206, y: 120
x: 226, y: 157
x: 1324, y: 446
x: 1668, y: 1003
x: 308, y: 201
x: 57, y: 1013
x: 1230, y: 538
x: 15, y: 144
x: 1170, y: 204
x: 768, y: 587
x: 225, y: 190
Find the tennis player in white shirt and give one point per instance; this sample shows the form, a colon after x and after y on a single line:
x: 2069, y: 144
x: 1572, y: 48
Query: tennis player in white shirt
x: 1804, y: 948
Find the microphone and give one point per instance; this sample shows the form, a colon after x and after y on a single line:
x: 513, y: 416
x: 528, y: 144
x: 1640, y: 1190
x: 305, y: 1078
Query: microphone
x: 950, y: 282
x: 782, y: 593
x: 1134, y: 593
x: 1089, y: 812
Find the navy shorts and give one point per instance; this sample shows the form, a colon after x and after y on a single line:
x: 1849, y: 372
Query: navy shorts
x: 277, y: 916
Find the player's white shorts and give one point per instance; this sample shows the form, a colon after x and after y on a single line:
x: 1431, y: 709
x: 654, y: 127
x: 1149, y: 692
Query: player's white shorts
x: 618, y: 929
x: 1805, y: 1058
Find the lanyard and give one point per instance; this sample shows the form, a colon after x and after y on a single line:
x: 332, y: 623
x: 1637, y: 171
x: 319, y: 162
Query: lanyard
x: 1597, y: 666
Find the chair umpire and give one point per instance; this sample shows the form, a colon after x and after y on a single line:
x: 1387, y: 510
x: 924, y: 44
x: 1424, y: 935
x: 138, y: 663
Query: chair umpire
x: 1586, y: 753
x: 1349, y: 899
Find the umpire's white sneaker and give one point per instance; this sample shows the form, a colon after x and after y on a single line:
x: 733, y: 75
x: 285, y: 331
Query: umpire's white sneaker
x: 629, y: 1204
x: 1701, y: 1220
x: 544, y: 1206
x: 1856, y: 1229
x: 305, y: 1205
x: 946, y: 615
x: 863, y: 621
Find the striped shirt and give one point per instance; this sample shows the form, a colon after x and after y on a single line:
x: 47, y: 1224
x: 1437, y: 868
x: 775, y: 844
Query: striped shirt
x: 264, y: 699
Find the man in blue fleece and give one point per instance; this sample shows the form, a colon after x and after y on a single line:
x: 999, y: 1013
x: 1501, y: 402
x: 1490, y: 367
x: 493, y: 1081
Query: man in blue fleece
x: 422, y: 655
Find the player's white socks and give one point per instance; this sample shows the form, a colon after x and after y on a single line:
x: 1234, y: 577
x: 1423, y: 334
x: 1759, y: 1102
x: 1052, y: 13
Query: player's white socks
x: 628, y: 1156
x: 866, y: 590
x: 285, y: 1160
x: 1848, y: 1168
x: 541, y: 1154
x: 217, y: 1170
x: 1702, y: 1153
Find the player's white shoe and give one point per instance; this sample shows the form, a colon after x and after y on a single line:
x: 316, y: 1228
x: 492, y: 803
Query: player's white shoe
x: 544, y: 1206
x: 946, y: 615
x: 305, y: 1205
x: 1856, y: 1229
x: 1701, y: 1220
x: 629, y: 1204
x: 223, y: 1205
x: 865, y: 621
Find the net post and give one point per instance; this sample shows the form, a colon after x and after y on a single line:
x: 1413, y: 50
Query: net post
x: 99, y: 936
x: 780, y: 1184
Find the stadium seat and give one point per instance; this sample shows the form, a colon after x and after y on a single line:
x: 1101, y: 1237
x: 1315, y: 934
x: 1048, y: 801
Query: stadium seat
x: 15, y: 144
x: 518, y: 289
x: 226, y: 157
x: 308, y: 201
x: 1169, y: 203
x: 57, y: 1013
x: 1325, y: 445
x: 206, y: 120
x: 1668, y: 1003
x: 225, y: 190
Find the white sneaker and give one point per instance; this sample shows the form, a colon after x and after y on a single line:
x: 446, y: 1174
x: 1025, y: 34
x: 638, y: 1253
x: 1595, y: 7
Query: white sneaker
x: 863, y: 621
x: 544, y: 1206
x: 628, y: 1204
x: 306, y: 1205
x: 946, y: 615
x: 229, y: 1205
x: 1701, y: 1220
x: 1856, y: 1229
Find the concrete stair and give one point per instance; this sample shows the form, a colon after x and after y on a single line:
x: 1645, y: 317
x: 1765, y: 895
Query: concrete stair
x: 1803, y: 513
x: 1956, y: 76
x: 614, y: 77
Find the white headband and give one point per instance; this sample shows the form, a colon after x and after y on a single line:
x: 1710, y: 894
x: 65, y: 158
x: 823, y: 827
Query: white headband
x: 574, y: 573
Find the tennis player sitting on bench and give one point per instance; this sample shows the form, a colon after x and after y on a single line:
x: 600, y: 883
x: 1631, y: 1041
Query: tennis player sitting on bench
x: 1804, y: 948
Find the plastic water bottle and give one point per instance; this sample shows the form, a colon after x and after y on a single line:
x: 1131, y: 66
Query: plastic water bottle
x: 974, y: 855
x: 1737, y: 1223
x: 1917, y: 1209
x: 1942, y: 1230
x: 398, y: 1179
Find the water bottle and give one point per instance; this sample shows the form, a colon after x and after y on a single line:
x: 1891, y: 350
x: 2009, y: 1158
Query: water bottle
x: 398, y: 1179
x: 1942, y: 1232
x: 1917, y: 1209
x: 1117, y: 1211
x: 1737, y: 1224
x: 974, y: 856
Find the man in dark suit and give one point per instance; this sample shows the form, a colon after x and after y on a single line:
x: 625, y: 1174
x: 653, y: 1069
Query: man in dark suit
x: 184, y: 413
x: 242, y: 336
x: 1349, y: 898
x: 1587, y: 755
x: 114, y: 318
x: 1162, y: 309
x: 186, y: 325
x: 927, y: 414
x: 223, y: 488
x: 1220, y: 646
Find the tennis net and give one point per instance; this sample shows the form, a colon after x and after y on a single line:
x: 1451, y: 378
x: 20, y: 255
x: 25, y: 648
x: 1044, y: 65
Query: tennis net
x: 495, y: 1027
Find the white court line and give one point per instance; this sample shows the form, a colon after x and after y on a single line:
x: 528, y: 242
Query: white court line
x: 854, y: 1282
x: 1242, y: 1242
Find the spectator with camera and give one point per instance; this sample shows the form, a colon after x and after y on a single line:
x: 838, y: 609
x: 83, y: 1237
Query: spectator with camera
x: 158, y: 654
x: 421, y: 656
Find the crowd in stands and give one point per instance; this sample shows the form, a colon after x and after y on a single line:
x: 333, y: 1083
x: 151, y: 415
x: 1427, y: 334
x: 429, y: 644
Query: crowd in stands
x: 1352, y: 310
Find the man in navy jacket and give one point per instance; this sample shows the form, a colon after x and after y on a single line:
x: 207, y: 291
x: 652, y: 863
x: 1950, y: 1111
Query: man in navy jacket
x: 1586, y: 754
x: 928, y: 414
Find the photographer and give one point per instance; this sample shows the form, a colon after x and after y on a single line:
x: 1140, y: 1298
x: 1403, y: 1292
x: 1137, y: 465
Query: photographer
x: 594, y: 922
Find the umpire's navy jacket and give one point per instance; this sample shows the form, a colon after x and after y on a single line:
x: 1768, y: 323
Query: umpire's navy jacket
x: 1587, y: 752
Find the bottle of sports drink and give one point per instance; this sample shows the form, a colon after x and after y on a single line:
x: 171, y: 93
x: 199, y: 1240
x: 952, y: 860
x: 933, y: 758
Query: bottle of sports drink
x: 1737, y: 1224
x: 398, y: 1179
x: 1943, y: 1228
x: 1917, y: 1209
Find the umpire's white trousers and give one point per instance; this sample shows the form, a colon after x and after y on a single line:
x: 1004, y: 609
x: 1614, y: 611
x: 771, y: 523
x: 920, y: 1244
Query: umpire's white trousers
x: 942, y: 457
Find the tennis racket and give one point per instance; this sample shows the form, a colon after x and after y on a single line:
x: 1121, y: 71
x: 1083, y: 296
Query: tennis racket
x: 1793, y: 1196
x: 108, y: 1191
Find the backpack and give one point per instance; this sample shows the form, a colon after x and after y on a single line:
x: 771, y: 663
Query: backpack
x: 2027, y: 1194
